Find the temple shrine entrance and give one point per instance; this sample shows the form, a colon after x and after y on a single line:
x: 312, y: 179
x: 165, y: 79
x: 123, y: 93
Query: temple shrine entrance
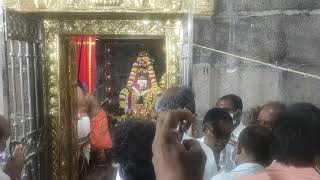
x: 155, y: 49
x: 114, y: 61
x: 136, y: 60
x: 140, y: 50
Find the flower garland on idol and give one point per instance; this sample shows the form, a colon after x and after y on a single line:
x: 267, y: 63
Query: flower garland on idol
x: 141, y: 84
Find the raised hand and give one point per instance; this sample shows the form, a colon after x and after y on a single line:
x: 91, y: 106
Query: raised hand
x: 171, y: 159
x: 15, y: 163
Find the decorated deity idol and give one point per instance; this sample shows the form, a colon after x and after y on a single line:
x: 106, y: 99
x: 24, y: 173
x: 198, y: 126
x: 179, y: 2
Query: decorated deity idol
x: 138, y: 97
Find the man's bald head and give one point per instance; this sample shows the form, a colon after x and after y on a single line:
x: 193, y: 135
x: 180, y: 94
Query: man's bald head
x: 270, y: 112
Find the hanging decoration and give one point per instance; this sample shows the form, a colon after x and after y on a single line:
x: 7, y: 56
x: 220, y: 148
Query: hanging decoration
x: 138, y: 97
x: 86, y: 60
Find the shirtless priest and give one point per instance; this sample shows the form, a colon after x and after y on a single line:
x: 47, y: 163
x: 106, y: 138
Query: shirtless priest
x: 93, y: 131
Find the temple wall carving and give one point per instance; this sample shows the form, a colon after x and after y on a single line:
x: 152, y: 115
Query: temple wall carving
x: 141, y: 6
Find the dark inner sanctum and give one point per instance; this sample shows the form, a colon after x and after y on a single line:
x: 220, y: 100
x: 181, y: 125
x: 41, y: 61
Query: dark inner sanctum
x: 114, y: 59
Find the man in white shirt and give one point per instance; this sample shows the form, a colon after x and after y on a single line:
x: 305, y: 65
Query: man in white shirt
x: 14, y: 165
x: 211, y: 167
x: 252, y: 153
x: 217, y: 128
x: 183, y: 98
x: 233, y: 105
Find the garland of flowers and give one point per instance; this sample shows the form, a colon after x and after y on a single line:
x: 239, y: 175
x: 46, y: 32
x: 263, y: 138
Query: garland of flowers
x: 150, y: 95
x: 151, y: 99
x: 137, y: 93
x: 122, y: 97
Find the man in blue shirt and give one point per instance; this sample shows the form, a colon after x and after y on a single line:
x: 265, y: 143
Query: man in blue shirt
x: 252, y: 153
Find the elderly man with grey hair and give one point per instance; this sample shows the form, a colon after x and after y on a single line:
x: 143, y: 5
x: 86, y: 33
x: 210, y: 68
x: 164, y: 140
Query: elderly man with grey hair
x: 183, y: 98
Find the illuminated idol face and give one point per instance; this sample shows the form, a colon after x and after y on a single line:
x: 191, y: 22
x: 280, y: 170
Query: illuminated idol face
x: 143, y: 72
x: 143, y: 62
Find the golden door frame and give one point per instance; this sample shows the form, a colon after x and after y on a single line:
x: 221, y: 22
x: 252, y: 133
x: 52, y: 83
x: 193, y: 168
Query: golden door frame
x: 199, y: 7
x: 59, y: 86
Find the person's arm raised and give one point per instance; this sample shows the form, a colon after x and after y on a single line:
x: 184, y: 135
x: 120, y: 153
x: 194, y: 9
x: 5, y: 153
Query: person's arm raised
x: 173, y: 160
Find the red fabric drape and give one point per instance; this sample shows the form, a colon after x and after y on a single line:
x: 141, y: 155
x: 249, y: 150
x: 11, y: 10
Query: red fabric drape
x: 86, y: 60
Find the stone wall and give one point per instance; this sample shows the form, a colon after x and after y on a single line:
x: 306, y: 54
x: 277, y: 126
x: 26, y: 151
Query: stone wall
x: 282, y: 32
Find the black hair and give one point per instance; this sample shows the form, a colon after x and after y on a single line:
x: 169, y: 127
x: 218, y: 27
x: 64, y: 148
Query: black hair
x: 132, y: 149
x: 236, y: 100
x: 215, y: 115
x: 214, y: 118
x: 296, y: 135
x: 177, y: 98
x: 257, y: 140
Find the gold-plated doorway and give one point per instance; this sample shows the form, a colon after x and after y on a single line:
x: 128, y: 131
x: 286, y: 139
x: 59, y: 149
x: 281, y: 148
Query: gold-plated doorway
x: 59, y: 68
